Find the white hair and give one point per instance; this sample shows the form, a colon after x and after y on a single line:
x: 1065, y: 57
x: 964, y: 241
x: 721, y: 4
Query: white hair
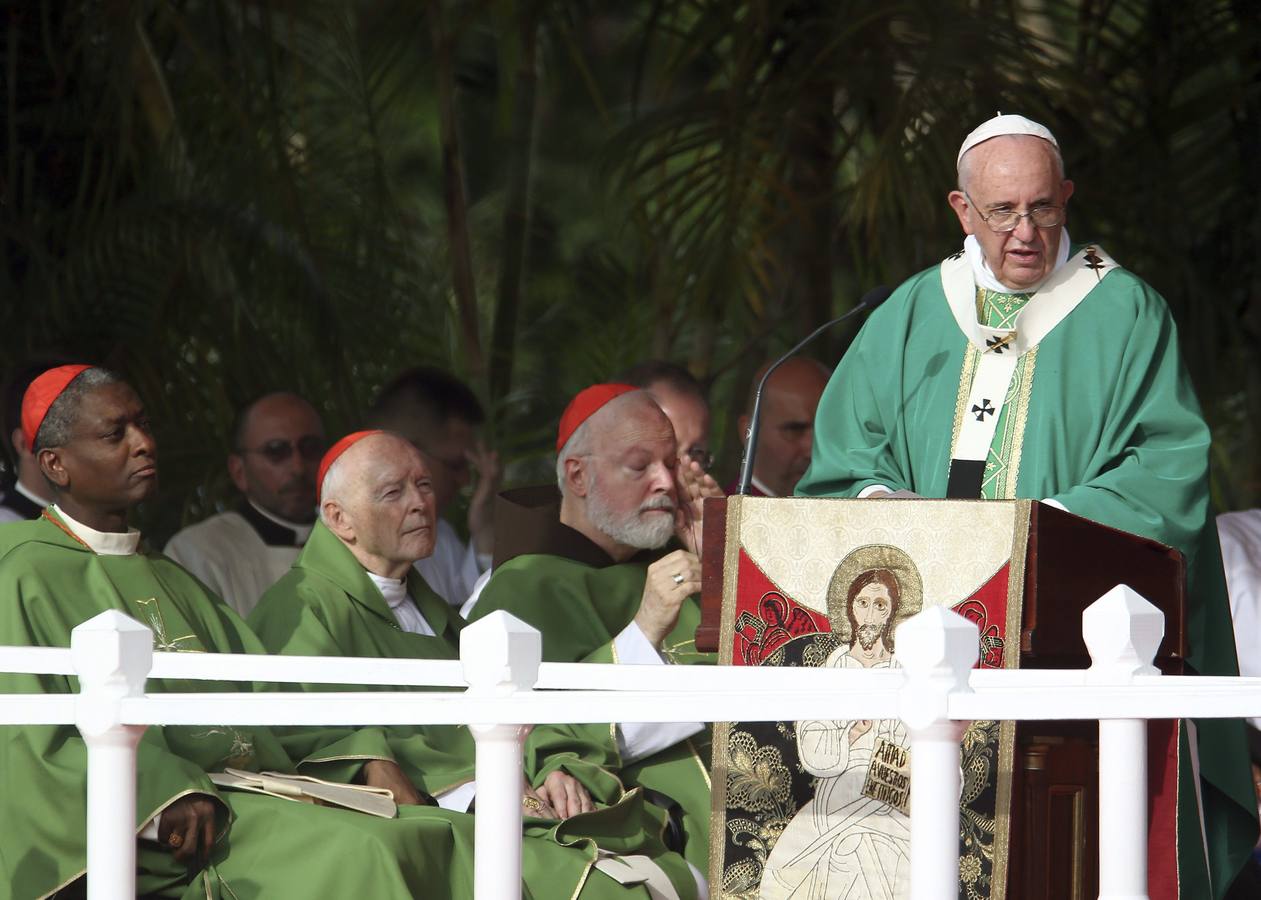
x: 579, y: 444
x: 333, y: 487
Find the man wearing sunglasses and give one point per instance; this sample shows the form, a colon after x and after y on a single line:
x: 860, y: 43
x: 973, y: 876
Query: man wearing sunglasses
x: 278, y: 443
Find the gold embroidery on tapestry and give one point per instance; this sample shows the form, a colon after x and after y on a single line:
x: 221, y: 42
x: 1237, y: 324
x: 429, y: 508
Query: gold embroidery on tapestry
x: 977, y: 831
x: 1007, y: 729
x: 759, y: 783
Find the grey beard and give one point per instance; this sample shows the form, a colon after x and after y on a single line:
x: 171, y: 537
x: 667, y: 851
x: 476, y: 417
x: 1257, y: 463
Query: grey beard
x: 868, y: 635
x: 631, y: 531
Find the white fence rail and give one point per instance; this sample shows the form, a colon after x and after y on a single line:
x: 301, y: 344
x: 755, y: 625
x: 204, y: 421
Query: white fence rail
x: 935, y: 693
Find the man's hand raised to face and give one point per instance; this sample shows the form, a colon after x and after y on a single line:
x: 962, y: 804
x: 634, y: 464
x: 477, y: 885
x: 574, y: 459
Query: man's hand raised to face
x: 695, y: 486
x: 670, y: 581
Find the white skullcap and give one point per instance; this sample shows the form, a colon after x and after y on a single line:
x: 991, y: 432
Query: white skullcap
x: 1001, y: 125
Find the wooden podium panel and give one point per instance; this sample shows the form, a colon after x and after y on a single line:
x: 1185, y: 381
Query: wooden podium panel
x: 1059, y: 565
x: 1071, y: 562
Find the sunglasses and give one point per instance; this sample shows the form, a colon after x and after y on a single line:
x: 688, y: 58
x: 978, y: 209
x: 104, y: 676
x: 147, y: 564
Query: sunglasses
x: 310, y: 448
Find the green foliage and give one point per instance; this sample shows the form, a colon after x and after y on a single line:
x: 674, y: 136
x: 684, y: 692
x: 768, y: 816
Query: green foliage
x: 223, y: 197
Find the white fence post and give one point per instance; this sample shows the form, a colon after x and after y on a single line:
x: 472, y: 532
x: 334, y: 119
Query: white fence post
x: 501, y: 656
x: 112, y: 655
x: 937, y: 648
x: 1122, y: 631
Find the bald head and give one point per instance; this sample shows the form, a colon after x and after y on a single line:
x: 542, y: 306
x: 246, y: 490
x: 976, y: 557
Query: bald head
x: 617, y: 476
x: 377, y: 498
x: 279, y: 441
x: 786, y: 437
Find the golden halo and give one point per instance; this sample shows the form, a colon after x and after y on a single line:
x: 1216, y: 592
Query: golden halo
x: 864, y: 559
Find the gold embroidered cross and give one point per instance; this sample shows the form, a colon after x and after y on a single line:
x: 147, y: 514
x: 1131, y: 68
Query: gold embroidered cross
x: 999, y: 344
x: 153, y: 612
x: 240, y: 753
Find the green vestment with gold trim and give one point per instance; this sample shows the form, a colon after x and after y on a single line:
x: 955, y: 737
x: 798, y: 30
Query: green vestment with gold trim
x: 1100, y: 417
x: 328, y: 606
x: 580, y: 609
x: 265, y: 846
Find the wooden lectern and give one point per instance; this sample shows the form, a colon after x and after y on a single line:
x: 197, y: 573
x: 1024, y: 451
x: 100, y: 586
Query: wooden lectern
x: 1059, y: 562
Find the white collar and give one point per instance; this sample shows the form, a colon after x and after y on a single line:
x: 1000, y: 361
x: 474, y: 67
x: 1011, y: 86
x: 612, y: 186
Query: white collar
x: 757, y: 483
x: 394, y: 590
x: 300, y: 532
x: 26, y: 492
x: 406, y: 613
x: 105, y: 543
x: 986, y: 278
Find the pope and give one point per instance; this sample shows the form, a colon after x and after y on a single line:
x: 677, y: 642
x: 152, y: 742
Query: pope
x: 1027, y: 366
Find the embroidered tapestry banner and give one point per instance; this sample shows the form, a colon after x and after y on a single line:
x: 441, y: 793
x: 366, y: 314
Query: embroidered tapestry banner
x: 819, y: 809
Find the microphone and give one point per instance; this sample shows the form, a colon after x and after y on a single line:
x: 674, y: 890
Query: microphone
x: 869, y: 301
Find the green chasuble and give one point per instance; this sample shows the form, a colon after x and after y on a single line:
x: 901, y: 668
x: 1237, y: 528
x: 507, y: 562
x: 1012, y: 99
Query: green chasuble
x: 265, y: 847
x: 580, y: 605
x: 328, y: 606
x: 1099, y: 417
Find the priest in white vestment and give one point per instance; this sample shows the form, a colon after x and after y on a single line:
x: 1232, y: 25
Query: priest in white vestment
x: 240, y: 553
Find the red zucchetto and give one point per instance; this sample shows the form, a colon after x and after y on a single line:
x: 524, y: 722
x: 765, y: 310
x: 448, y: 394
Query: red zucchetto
x: 41, y: 394
x: 588, y: 402
x: 336, y: 451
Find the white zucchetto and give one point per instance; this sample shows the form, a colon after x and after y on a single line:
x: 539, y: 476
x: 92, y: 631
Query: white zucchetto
x: 1002, y: 125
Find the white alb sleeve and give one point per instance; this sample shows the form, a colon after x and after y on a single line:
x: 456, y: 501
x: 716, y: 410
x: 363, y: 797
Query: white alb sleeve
x: 637, y: 740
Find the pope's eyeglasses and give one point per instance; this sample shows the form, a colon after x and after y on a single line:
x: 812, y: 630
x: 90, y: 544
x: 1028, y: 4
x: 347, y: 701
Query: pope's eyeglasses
x: 1005, y: 220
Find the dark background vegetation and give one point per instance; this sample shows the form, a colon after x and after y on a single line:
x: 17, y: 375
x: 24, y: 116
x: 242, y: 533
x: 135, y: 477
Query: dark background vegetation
x: 221, y: 197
